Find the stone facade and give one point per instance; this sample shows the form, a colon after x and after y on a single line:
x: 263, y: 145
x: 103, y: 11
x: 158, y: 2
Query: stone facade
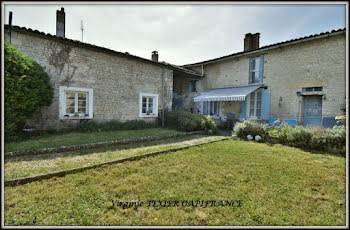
x: 116, y: 81
x: 316, y: 63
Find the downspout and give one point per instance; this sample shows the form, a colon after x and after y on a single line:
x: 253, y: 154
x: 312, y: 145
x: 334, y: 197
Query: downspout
x: 299, y: 103
x: 163, y: 106
x: 202, y: 70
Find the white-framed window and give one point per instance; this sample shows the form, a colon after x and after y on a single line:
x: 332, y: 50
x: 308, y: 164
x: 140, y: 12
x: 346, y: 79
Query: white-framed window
x: 211, y: 107
x: 254, y: 70
x: 75, y: 103
x: 148, y: 105
x: 255, y: 104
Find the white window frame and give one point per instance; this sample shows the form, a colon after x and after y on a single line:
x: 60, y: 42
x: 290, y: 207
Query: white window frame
x: 62, y: 102
x: 256, y: 70
x: 211, y: 108
x: 155, y: 104
x: 255, y: 93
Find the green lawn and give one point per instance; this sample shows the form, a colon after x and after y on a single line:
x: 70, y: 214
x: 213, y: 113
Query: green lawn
x: 76, y: 138
x: 24, y: 166
x: 279, y: 185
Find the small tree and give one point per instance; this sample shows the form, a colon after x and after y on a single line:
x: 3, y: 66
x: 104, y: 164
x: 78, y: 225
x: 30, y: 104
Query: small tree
x: 27, y: 89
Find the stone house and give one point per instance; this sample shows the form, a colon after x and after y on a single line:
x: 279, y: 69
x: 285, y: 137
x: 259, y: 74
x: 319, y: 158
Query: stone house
x: 301, y: 79
x: 95, y: 83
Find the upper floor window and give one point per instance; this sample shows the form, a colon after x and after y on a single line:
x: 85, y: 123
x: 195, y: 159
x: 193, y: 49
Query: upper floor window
x: 193, y: 86
x: 256, y: 69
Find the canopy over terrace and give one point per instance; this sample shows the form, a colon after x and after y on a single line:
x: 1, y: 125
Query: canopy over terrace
x: 236, y: 93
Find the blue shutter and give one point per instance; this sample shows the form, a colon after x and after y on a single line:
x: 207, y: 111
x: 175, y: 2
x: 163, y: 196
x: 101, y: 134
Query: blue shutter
x: 261, y: 69
x: 190, y: 87
x: 265, y: 104
x: 250, y: 73
x: 243, y: 109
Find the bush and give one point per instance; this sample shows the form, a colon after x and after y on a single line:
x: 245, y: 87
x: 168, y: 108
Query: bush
x: 188, y: 122
x: 298, y: 135
x: 313, y: 137
x: 92, y: 126
x: 27, y: 89
x: 242, y: 129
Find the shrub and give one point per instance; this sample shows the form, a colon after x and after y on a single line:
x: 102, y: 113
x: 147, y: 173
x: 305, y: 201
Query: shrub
x: 242, y: 129
x: 298, y: 135
x: 186, y: 121
x: 313, y: 137
x: 92, y: 126
x: 27, y: 89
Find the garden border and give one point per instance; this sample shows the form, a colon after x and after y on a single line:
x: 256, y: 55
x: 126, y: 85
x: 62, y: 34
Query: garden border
x: 97, y: 144
x: 25, y: 180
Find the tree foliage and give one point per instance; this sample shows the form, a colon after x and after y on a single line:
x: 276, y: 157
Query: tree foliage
x: 27, y: 88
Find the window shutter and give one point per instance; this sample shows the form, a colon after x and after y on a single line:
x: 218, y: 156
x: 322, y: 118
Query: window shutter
x: 250, y: 71
x: 261, y: 69
x: 265, y: 104
x: 190, y: 86
x: 243, y: 109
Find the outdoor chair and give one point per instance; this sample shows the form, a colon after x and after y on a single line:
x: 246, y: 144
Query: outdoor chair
x: 291, y: 121
x: 230, y: 120
x: 272, y: 121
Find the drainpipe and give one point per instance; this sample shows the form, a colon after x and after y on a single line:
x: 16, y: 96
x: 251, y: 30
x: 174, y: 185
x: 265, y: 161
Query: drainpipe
x: 202, y: 70
x: 299, y: 102
x: 10, y: 25
x: 163, y: 106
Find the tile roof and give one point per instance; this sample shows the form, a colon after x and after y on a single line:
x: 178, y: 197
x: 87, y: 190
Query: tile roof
x: 103, y: 49
x: 274, y: 45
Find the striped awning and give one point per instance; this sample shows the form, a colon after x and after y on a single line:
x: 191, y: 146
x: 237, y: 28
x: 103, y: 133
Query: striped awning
x: 236, y: 93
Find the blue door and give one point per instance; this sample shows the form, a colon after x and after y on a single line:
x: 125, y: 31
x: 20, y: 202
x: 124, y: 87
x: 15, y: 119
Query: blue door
x: 313, y: 110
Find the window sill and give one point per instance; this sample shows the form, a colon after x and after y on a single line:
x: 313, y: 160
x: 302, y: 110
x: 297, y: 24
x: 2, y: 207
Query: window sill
x: 75, y: 118
x: 149, y: 115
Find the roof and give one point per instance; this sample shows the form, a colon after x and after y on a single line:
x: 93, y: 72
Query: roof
x: 235, y: 93
x: 102, y: 49
x: 272, y: 46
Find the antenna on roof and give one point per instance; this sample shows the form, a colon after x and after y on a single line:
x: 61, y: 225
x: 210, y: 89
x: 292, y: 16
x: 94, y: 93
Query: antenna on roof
x: 82, y: 30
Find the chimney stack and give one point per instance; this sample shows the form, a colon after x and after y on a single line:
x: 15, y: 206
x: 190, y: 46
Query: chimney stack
x: 155, y: 56
x: 251, y: 41
x: 60, y: 23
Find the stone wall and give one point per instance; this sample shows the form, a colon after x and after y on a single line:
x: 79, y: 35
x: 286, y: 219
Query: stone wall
x: 316, y: 63
x: 116, y: 81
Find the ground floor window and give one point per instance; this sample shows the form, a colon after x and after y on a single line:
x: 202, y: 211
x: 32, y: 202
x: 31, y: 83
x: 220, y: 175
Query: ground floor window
x: 75, y: 102
x: 211, y: 107
x: 148, y: 105
x: 255, y: 104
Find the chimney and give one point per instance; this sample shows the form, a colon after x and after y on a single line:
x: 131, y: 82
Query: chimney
x: 155, y: 56
x: 60, y: 23
x: 255, y: 41
x: 251, y: 41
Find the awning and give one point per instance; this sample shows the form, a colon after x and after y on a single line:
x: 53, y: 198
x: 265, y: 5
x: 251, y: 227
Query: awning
x: 236, y: 93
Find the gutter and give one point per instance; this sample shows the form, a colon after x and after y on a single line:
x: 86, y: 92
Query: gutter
x: 267, y: 48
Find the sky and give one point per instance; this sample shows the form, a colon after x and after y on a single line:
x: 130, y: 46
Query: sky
x: 182, y: 34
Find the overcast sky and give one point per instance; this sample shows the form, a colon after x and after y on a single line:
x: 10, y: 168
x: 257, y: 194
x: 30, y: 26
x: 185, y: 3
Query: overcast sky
x: 182, y: 34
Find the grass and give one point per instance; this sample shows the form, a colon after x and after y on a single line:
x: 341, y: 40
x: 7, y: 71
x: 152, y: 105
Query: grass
x: 76, y: 138
x: 279, y: 185
x: 24, y: 166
